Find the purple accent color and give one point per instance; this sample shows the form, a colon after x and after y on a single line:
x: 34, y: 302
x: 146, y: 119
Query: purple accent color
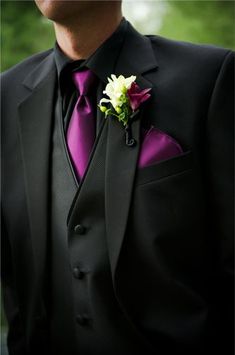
x: 137, y: 96
x: 156, y: 146
x: 84, y: 81
x: 81, y: 131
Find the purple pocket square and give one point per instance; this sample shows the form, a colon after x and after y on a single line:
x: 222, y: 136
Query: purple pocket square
x: 156, y: 146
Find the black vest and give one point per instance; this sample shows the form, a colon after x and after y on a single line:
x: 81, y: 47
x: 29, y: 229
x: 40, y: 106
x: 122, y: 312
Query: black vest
x: 63, y: 190
x: 86, y: 318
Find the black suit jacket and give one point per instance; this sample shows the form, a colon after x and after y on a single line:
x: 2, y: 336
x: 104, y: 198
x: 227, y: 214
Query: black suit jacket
x: 169, y: 226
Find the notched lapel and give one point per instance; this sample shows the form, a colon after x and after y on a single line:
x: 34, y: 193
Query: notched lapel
x: 35, y: 124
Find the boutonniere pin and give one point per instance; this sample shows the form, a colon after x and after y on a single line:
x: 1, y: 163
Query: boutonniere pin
x: 125, y: 97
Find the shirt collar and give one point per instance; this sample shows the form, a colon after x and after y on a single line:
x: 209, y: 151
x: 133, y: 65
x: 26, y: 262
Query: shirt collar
x: 62, y: 61
x: 102, y: 61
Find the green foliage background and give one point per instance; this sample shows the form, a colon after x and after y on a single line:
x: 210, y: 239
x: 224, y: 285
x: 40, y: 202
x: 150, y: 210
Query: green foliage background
x: 24, y: 31
x: 201, y: 22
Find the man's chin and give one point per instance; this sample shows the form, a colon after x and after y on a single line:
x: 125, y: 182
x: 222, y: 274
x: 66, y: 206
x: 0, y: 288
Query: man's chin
x: 61, y: 10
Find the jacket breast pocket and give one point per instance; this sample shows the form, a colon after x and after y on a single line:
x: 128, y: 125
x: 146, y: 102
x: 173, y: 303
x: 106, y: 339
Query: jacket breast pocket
x: 165, y: 168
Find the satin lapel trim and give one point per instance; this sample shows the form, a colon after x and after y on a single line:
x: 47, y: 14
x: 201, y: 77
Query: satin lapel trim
x: 35, y: 131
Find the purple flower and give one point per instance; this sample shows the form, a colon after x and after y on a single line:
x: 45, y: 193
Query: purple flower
x: 137, y: 96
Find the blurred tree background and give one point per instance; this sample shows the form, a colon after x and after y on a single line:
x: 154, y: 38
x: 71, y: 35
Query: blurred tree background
x: 24, y: 31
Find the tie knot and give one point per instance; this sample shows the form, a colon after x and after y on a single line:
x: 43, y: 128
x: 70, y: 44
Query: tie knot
x: 84, y: 81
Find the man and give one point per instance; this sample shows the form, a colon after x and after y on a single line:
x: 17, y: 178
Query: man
x: 130, y: 253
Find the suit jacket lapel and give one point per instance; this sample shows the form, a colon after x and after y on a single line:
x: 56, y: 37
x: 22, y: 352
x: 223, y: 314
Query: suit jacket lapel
x: 121, y: 160
x: 35, y: 131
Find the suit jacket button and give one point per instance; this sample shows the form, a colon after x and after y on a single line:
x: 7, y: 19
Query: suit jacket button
x: 79, y: 229
x: 77, y: 273
x: 82, y: 319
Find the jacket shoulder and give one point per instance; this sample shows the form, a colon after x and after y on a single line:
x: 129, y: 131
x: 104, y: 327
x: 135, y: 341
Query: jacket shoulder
x: 18, y: 72
x: 188, y: 53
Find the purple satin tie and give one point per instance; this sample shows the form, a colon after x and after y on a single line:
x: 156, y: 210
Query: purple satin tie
x: 81, y: 130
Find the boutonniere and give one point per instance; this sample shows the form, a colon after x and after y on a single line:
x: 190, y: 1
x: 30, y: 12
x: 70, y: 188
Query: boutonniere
x: 125, y: 98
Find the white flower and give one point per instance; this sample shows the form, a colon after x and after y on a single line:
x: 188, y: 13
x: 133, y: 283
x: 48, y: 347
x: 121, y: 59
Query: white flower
x: 116, y: 88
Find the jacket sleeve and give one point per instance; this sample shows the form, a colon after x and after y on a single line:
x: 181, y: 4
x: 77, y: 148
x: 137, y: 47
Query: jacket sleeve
x: 219, y: 170
x: 16, y: 338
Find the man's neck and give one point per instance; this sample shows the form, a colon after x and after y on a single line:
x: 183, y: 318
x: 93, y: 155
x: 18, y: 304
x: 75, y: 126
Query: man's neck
x: 80, y: 39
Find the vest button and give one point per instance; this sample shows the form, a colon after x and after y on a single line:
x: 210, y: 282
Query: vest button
x: 77, y: 273
x: 79, y: 229
x: 82, y: 319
